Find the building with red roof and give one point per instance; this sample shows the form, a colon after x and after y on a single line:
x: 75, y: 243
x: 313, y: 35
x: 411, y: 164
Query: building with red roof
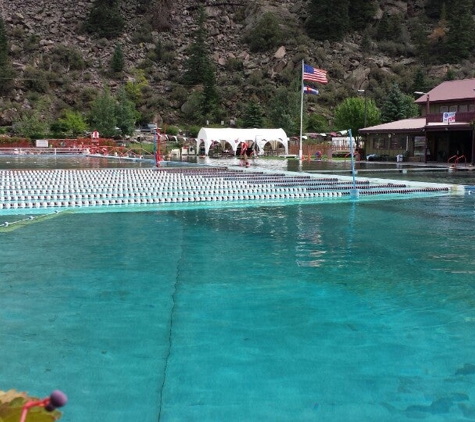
x: 446, y: 130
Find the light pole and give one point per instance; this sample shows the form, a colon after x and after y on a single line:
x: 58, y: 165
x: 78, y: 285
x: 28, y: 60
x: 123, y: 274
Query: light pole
x: 427, y: 118
x: 156, y: 146
x: 365, y: 104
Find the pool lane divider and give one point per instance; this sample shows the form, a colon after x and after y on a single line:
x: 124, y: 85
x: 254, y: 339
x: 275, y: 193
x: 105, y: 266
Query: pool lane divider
x: 9, y: 226
x: 38, y: 190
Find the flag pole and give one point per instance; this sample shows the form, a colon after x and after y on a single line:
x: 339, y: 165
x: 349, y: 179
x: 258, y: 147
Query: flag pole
x: 301, y: 113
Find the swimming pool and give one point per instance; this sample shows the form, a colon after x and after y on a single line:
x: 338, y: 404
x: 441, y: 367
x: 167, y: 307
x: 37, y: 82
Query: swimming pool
x: 356, y: 311
x: 352, y: 311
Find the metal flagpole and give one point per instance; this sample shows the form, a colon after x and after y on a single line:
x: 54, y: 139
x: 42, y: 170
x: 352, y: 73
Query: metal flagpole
x: 301, y: 113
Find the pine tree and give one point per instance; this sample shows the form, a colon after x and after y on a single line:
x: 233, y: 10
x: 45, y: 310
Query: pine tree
x: 105, y: 19
x: 360, y: 12
x: 433, y: 8
x: 198, y: 63
x: 419, y: 81
x: 383, y: 30
x: 284, y: 111
x: 252, y: 117
x: 397, y: 106
x: 125, y: 113
x: 460, y: 38
x: 117, y: 61
x: 328, y: 19
x: 200, y: 70
x: 366, y: 42
x: 7, y: 73
x: 210, y: 97
x: 4, y: 59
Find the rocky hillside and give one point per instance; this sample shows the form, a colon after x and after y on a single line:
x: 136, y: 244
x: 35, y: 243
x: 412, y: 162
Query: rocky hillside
x: 37, y: 28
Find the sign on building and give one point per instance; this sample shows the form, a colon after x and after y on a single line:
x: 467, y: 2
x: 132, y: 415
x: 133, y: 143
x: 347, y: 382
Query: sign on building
x: 449, y: 117
x: 41, y: 143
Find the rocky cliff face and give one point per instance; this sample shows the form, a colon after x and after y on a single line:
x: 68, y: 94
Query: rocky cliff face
x: 54, y: 23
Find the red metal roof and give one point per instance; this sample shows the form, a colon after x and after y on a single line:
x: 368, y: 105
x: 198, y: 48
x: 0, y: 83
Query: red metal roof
x: 407, y: 125
x: 450, y: 90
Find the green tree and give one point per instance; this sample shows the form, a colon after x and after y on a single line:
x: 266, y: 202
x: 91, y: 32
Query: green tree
x: 136, y: 86
x: 460, y: 38
x: 158, y: 50
x: 105, y: 19
x: 198, y: 65
x: 398, y: 106
x: 192, y: 109
x: 103, y: 117
x: 73, y: 122
x: 200, y: 70
x: 4, y: 48
x: 126, y: 114
x: 252, y: 116
x: 317, y: 123
x: 210, y: 102
x: 360, y: 12
x: 433, y: 8
x: 366, y: 43
x: 328, y: 19
x: 266, y: 33
x: 33, y: 124
x: 350, y: 114
x: 420, y: 83
x: 390, y: 28
x: 7, y: 73
x: 284, y: 110
x: 117, y: 61
x: 420, y: 37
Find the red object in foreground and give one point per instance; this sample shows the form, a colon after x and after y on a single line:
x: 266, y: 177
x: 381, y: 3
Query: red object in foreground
x: 56, y: 399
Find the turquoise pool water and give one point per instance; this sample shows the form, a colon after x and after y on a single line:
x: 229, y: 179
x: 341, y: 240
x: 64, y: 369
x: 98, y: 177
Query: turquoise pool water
x: 8, y: 162
x: 359, y: 311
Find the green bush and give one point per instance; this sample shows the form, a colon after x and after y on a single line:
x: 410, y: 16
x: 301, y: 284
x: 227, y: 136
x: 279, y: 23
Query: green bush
x: 256, y: 78
x: 143, y: 34
x: 265, y: 34
x: 193, y: 131
x: 234, y: 64
x: 105, y: 19
x: 172, y: 130
x: 70, y: 58
x: 179, y: 94
x: 36, y: 80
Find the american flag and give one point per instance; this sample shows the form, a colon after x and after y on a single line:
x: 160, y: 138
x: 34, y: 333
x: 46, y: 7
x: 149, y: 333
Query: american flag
x: 314, y: 75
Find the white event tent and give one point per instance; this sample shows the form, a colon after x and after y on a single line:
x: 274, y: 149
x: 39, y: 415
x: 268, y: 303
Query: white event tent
x: 231, y: 137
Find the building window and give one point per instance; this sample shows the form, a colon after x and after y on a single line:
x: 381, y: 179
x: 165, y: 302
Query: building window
x: 443, y: 109
x: 453, y: 108
x: 380, y: 143
x: 463, y: 108
x: 398, y: 142
x: 471, y: 107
